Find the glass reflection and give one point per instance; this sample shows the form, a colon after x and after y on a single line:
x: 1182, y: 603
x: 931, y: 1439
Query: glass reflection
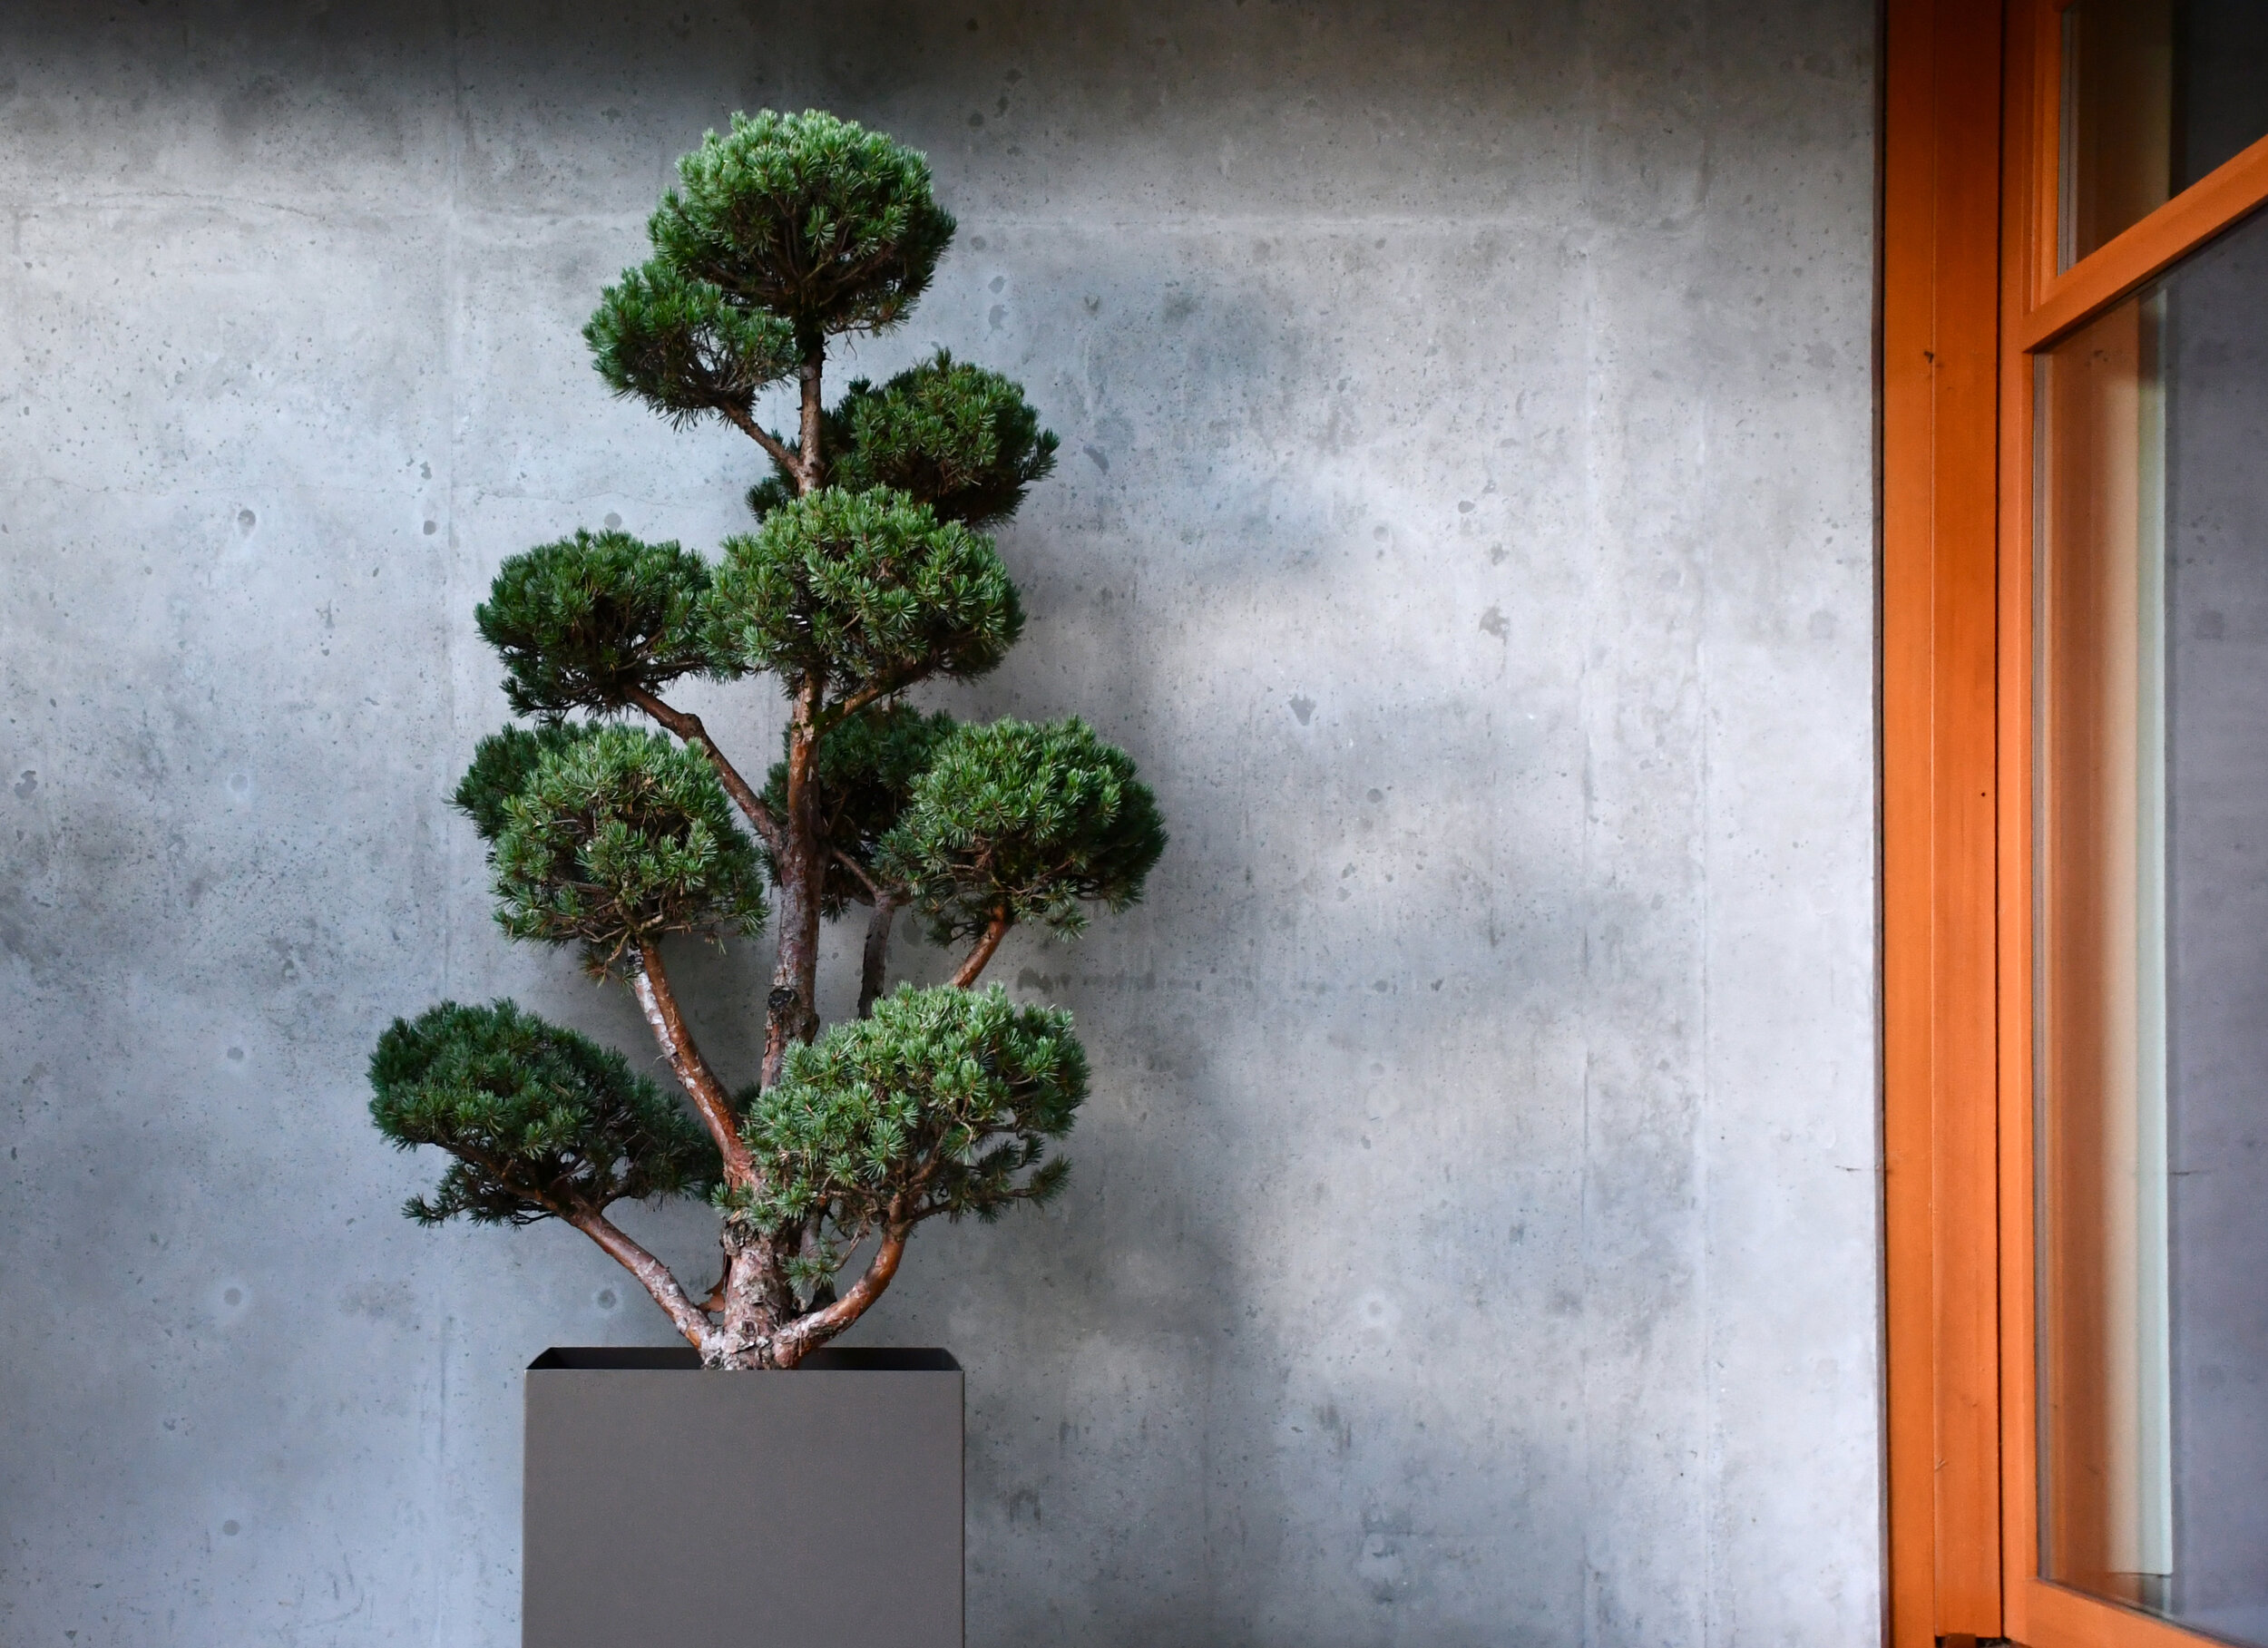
x: 2156, y: 95
x: 2152, y: 1055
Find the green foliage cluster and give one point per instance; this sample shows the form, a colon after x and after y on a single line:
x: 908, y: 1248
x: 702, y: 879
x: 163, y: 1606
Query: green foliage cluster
x: 961, y: 439
x: 782, y: 232
x: 1028, y: 822
x: 542, y: 1122
x: 616, y: 839
x: 866, y: 769
x: 867, y: 592
x: 684, y: 346
x: 503, y: 764
x: 807, y: 217
x: 942, y: 1102
x: 588, y: 621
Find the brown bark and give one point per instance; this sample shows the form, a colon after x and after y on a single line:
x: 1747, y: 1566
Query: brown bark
x: 762, y: 436
x: 653, y: 1274
x: 757, y: 1299
x: 790, y: 1015
x: 974, y: 966
x: 650, y: 984
x: 804, y: 1336
x: 874, y: 962
x: 807, y: 477
x: 688, y: 727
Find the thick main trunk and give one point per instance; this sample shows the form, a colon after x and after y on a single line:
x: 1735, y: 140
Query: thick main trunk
x: 791, y: 1012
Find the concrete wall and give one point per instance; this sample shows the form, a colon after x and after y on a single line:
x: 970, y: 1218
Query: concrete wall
x: 1465, y: 518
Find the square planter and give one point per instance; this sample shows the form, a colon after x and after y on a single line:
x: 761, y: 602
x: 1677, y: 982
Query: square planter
x: 665, y: 1505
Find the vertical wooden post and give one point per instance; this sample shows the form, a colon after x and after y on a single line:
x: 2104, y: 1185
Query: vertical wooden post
x: 1941, y: 290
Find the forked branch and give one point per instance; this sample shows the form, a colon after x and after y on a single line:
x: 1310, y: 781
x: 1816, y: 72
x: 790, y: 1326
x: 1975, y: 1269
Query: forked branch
x: 653, y: 1274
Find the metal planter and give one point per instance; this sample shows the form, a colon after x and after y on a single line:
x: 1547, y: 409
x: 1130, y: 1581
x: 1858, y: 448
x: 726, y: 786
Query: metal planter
x: 665, y: 1504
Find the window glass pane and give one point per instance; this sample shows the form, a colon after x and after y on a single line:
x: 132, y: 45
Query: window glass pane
x: 2156, y: 95
x: 2152, y: 1055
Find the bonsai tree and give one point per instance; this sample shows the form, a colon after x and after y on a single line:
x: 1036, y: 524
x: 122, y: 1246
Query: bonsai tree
x: 616, y: 826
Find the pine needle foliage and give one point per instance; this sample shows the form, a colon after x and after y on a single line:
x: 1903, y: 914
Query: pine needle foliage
x: 865, y: 591
x: 542, y: 1122
x: 618, y: 840
x: 942, y: 1102
x: 589, y: 621
x: 958, y: 438
x: 806, y: 217
x: 866, y: 769
x: 1028, y: 822
x: 502, y: 763
x: 684, y: 347
x: 869, y: 573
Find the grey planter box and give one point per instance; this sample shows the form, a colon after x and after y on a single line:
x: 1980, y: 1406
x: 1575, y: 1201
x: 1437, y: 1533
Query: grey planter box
x: 820, y: 1508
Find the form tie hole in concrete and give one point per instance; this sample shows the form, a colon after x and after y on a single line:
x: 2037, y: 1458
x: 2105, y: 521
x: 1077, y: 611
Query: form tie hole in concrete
x: 233, y: 1296
x: 613, y: 522
x: 235, y: 1055
x: 432, y: 527
x: 230, y: 1528
x: 245, y: 520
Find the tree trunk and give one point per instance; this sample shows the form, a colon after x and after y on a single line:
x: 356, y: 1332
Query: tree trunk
x: 874, y: 965
x: 758, y: 1303
x: 791, y: 1012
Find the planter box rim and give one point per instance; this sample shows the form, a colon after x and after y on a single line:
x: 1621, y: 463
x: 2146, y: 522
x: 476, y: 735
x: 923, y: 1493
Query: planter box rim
x: 684, y: 1359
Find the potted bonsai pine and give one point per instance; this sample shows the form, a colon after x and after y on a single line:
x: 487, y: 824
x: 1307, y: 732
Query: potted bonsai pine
x: 618, y: 827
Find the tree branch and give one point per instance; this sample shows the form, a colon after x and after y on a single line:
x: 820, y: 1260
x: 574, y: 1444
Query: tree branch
x: 650, y: 984
x: 874, y: 964
x: 985, y: 946
x: 771, y: 443
x: 687, y: 726
x: 809, y: 1333
x: 865, y: 695
x: 653, y: 1274
x: 874, y: 888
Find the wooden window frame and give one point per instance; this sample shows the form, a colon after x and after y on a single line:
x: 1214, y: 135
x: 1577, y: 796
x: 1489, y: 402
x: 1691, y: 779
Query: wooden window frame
x: 1970, y: 291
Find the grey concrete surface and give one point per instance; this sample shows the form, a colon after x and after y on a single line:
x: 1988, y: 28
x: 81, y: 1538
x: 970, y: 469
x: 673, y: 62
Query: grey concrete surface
x: 1465, y: 518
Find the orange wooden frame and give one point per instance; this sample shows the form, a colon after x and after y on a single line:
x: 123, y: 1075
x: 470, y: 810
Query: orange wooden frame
x: 1940, y: 410
x: 1970, y: 292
